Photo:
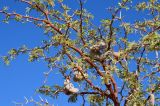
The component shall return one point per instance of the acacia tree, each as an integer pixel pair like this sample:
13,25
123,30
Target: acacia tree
100,59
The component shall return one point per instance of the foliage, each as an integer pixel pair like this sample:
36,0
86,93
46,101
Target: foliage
100,59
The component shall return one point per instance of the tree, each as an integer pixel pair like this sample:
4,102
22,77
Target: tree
101,59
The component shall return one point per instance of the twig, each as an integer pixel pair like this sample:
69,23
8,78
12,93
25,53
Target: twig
81,22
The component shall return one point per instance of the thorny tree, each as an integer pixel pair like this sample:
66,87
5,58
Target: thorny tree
101,59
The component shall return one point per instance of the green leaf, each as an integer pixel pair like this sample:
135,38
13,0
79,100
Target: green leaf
18,17
6,60
5,8
73,98
51,3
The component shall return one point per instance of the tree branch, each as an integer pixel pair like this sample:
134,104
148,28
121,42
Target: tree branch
81,22
33,18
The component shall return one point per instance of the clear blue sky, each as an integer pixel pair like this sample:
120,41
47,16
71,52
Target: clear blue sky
21,78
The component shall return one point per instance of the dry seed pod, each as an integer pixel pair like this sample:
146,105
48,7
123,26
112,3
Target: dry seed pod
97,51
79,77
151,99
98,46
69,88
116,55
102,44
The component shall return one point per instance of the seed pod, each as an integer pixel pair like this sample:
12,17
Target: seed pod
79,77
116,55
151,99
66,82
98,46
69,88
102,44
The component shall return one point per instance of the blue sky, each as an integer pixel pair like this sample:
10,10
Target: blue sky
21,78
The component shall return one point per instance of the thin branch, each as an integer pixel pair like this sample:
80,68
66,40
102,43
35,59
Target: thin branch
111,24
84,101
38,7
83,93
138,63
121,91
81,22
148,75
156,29
33,18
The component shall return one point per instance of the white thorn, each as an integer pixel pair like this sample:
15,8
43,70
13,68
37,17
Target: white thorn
41,98
120,15
156,54
46,101
26,100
